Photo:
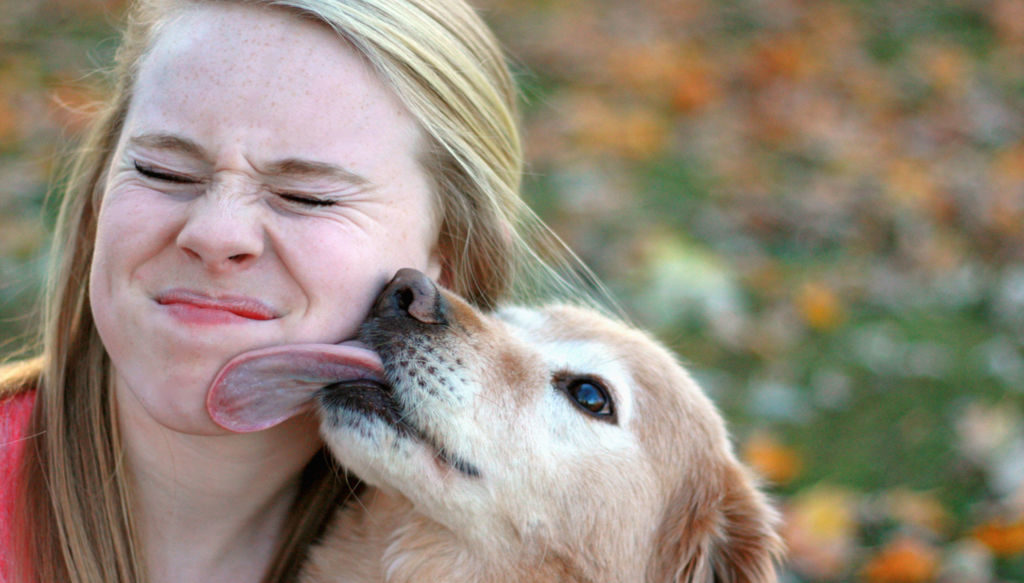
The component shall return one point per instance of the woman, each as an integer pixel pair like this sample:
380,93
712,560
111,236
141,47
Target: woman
260,171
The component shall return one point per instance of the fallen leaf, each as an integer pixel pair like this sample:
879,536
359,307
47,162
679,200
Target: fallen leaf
904,560
1004,538
771,459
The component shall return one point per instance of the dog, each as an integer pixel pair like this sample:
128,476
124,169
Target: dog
538,445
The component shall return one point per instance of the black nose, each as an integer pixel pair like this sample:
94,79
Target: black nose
412,294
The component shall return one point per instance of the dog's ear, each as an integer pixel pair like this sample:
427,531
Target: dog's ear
722,531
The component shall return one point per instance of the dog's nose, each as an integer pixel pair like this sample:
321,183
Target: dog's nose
412,294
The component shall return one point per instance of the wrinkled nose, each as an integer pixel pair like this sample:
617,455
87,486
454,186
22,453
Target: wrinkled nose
411,294
222,235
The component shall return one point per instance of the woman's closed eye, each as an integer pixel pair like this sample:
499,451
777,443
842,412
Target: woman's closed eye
306,200
162,175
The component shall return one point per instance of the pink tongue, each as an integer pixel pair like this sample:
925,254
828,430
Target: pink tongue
259,389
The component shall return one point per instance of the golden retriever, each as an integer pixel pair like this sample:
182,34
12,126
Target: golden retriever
527,445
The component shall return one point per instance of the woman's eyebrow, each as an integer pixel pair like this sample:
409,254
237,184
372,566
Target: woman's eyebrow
162,141
300,168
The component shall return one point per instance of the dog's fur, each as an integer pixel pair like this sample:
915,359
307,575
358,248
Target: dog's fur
484,469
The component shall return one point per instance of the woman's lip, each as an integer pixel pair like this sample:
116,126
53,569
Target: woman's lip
242,306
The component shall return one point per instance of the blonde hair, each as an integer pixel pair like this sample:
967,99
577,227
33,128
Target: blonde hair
443,62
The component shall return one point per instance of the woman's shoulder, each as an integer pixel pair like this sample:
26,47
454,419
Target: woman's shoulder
18,383
14,413
17,396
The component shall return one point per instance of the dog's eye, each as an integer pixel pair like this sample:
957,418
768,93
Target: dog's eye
588,394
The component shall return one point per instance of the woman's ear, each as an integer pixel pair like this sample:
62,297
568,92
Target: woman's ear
724,532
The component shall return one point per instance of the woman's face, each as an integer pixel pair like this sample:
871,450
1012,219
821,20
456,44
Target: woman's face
265,186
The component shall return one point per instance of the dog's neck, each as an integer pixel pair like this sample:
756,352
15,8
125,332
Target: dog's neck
382,538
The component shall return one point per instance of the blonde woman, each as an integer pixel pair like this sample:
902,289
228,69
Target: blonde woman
260,170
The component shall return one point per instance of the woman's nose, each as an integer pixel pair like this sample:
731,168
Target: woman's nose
224,233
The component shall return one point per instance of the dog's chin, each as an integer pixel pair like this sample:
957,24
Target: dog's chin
366,406
365,427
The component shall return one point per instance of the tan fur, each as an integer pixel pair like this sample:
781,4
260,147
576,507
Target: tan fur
656,497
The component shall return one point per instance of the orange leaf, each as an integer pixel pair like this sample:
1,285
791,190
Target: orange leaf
694,88
786,56
904,560
1002,537
820,307
772,460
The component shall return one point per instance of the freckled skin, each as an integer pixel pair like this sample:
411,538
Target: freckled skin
249,89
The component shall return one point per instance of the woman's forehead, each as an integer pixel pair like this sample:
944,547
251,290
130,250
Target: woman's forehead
279,85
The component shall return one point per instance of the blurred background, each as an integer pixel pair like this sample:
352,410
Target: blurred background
818,204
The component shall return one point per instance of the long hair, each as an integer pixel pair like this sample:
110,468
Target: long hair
74,519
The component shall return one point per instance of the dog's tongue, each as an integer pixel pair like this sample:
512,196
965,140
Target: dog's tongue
259,389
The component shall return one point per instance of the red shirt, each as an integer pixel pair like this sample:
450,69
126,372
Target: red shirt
14,415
